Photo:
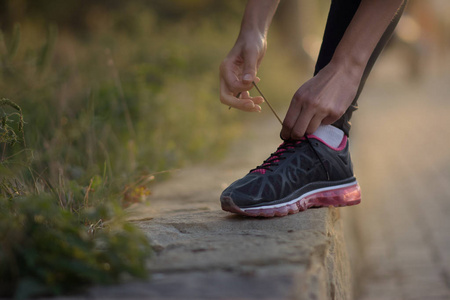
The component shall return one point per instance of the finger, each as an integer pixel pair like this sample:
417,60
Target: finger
237,96
232,76
245,95
250,66
314,124
242,104
302,123
290,119
256,99
229,99
330,119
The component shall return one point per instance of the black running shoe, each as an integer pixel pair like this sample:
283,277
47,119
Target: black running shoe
299,175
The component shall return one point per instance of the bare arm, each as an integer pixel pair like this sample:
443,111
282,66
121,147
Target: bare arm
325,97
239,68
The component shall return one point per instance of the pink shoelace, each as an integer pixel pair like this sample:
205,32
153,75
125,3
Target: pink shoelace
274,158
285,147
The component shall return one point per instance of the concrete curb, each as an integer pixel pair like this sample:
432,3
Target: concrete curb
208,254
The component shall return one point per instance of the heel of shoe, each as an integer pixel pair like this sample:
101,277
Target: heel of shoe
344,196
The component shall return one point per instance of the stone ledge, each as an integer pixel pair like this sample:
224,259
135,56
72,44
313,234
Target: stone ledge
208,254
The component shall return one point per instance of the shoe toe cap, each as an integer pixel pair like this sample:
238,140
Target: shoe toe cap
240,199
243,193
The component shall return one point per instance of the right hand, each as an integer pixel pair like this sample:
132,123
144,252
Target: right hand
238,71
322,100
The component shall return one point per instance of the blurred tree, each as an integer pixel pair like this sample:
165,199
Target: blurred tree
301,24
290,24
73,14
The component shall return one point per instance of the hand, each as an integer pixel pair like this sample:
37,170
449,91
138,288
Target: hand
238,71
321,100
326,97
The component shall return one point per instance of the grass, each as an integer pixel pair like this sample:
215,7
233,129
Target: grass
96,116
47,250
116,106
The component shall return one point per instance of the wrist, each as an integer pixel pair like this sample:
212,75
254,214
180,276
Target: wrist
352,65
252,37
258,16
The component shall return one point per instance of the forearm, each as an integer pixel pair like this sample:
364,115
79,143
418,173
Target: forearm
238,70
363,33
258,16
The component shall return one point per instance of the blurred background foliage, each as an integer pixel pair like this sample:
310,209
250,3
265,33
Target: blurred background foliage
117,93
115,89
113,92
113,95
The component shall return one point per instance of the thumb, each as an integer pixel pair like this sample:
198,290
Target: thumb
250,64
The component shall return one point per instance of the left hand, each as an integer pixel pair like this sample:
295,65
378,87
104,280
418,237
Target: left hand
238,71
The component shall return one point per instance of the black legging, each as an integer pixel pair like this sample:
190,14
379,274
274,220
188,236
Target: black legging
339,17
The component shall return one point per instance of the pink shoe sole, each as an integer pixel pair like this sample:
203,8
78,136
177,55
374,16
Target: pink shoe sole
337,196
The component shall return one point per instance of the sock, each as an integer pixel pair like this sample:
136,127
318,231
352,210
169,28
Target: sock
329,134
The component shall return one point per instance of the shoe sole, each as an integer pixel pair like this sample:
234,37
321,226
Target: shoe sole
341,195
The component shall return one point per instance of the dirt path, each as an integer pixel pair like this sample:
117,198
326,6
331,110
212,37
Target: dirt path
401,231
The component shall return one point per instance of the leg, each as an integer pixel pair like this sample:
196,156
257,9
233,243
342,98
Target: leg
339,17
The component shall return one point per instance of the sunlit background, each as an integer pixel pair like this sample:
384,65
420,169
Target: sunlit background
116,94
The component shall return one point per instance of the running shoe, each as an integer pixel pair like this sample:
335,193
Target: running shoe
299,175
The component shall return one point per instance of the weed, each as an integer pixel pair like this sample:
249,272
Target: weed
46,250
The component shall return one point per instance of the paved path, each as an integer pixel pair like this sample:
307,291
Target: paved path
402,159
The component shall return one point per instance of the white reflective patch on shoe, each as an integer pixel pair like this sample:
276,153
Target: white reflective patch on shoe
329,134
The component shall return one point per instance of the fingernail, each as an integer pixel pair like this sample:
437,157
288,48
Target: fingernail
247,77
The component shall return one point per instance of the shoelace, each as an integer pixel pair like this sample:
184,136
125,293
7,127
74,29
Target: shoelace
274,158
286,147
